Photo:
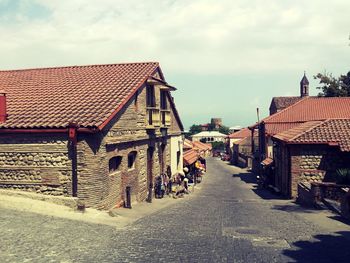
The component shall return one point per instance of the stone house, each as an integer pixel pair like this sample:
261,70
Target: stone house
209,136
307,109
88,131
310,152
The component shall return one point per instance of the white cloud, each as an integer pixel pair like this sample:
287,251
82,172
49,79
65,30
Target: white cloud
198,36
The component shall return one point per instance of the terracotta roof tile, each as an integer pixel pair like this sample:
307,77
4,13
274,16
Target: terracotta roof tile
313,108
332,132
54,97
268,161
307,109
187,144
201,146
190,157
245,132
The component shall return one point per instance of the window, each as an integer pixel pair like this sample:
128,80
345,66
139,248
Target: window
151,100
114,164
163,100
136,101
178,154
131,159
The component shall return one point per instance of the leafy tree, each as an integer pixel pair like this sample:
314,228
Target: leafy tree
211,127
333,87
225,130
195,129
218,146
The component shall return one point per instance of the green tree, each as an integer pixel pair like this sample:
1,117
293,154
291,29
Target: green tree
218,146
195,129
225,130
211,127
333,87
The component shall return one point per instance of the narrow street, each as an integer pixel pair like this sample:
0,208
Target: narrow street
226,220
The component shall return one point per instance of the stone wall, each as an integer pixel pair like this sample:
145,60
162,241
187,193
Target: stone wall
126,132
296,164
35,162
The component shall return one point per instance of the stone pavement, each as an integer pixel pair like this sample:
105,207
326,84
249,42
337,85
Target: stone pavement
227,220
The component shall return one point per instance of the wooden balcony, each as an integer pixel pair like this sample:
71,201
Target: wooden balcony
165,118
152,118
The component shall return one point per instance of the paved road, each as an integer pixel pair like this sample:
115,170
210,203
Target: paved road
225,221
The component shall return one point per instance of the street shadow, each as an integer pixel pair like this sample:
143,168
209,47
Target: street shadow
267,194
340,219
321,249
249,178
294,207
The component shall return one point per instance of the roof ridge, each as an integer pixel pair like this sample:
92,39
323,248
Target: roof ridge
80,66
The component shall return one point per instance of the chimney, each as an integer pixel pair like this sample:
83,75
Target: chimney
3,113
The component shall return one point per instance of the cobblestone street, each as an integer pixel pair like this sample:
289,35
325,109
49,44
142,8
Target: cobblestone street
226,220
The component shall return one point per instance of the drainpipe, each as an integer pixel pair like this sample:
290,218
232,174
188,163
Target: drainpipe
72,131
3,110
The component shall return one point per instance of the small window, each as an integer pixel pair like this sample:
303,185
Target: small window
151,100
114,164
131,159
163,100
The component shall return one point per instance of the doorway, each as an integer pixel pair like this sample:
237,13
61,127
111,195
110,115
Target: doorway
150,153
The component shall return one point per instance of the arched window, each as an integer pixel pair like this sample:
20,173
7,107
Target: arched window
114,164
131,159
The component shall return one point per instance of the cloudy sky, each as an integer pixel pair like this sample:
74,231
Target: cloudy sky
226,57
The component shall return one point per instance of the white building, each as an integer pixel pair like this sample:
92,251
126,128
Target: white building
209,136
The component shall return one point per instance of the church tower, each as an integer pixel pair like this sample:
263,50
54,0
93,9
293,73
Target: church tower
304,86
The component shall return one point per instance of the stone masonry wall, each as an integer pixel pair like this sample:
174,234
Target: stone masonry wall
314,163
37,163
125,133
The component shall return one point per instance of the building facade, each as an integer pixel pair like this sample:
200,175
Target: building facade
96,131
209,136
311,152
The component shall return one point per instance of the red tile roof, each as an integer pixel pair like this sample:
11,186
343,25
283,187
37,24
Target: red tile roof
267,161
190,157
313,108
87,95
201,146
331,132
307,109
274,128
243,133
210,147
187,144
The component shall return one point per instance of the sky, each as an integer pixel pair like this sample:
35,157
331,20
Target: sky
225,57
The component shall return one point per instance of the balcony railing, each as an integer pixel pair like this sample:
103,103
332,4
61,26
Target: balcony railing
152,118
165,118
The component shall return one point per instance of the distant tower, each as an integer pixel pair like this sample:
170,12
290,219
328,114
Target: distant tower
217,122
304,86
